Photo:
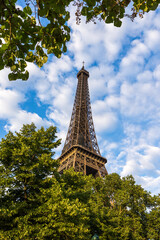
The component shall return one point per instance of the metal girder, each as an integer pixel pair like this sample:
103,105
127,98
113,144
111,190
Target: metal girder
81,133
83,160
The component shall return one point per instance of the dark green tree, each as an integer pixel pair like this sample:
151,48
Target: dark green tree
35,201
132,202
40,27
66,208
124,209
26,166
154,219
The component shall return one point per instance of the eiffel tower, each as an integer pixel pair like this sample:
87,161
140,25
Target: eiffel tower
81,149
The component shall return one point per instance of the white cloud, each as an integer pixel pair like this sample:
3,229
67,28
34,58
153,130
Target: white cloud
152,39
105,122
9,100
150,135
114,40
112,102
60,118
156,75
58,66
135,57
139,100
22,117
141,158
143,164
145,76
13,94
150,183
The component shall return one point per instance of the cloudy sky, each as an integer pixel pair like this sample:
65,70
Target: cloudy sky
124,83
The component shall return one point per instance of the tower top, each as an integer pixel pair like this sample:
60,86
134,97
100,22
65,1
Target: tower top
83,71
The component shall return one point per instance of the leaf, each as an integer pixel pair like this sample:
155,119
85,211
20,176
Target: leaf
1,63
12,76
25,76
146,9
154,6
4,47
27,10
50,50
64,48
84,11
109,19
117,22
14,68
45,58
29,57
42,12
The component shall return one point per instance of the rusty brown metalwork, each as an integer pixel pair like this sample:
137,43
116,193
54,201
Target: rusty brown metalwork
81,149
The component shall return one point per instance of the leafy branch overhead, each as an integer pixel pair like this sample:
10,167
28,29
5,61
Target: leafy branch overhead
31,33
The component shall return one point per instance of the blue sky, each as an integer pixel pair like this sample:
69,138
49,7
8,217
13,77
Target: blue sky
124,83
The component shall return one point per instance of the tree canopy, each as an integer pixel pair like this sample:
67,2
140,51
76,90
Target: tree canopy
36,202
26,162
39,28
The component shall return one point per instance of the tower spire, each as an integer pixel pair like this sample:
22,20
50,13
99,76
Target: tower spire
81,129
81,138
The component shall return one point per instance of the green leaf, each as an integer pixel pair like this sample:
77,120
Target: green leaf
117,22
45,58
22,64
109,19
30,57
154,6
42,12
84,11
4,47
25,76
27,10
1,63
12,76
64,48
50,50
14,68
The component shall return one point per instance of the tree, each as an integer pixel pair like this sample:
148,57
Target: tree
40,28
154,220
36,202
66,208
123,214
26,164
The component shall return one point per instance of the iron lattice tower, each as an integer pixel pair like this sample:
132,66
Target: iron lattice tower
81,149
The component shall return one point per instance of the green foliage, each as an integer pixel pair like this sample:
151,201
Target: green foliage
39,203
30,36
25,39
25,166
154,219
65,208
